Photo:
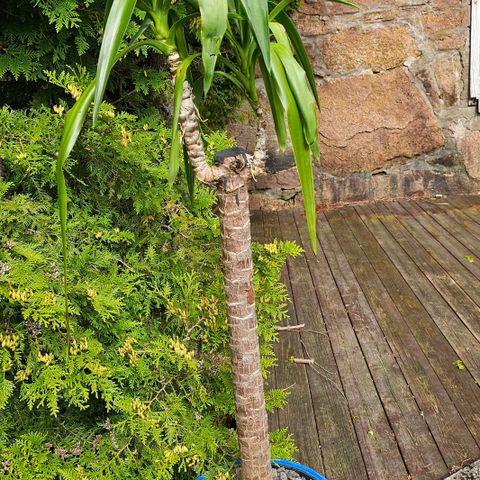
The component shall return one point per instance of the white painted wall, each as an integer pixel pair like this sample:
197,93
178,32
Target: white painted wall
475,53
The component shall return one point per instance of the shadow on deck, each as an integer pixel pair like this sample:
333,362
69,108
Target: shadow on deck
391,307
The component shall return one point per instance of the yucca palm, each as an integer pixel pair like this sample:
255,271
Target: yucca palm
249,33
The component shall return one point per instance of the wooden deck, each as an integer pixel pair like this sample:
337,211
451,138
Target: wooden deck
391,304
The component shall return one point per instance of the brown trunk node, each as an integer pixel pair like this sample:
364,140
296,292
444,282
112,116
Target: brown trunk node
252,422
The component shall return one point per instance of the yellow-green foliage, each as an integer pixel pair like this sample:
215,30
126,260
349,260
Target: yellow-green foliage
145,392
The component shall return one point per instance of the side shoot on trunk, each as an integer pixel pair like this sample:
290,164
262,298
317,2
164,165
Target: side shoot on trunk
257,32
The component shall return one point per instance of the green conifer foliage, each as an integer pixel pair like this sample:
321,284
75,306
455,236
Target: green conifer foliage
146,390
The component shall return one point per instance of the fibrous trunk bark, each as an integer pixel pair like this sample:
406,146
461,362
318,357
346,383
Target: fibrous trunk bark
188,122
260,154
231,175
251,416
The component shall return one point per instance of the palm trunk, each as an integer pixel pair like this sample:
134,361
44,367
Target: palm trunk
252,422
231,175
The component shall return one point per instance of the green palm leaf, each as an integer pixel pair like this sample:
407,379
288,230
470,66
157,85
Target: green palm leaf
300,88
189,174
178,26
279,7
74,121
176,33
299,50
234,80
143,28
117,22
280,35
275,107
300,146
214,24
257,14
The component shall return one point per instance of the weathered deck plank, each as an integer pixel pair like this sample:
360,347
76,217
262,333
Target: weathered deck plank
390,303
468,204
416,346
294,378
452,264
258,233
453,227
458,214
373,431
341,454
465,308
461,388
386,386
446,313
449,241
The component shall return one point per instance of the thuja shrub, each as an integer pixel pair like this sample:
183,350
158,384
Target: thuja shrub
46,44
44,38
145,390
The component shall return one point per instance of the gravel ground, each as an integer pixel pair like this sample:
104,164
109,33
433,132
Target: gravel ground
282,473
472,472
285,474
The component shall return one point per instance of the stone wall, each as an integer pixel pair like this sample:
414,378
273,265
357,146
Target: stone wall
393,83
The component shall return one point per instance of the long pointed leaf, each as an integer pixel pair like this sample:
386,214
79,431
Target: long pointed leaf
108,6
117,22
75,118
158,45
179,24
143,28
176,34
197,89
257,14
279,7
214,24
234,80
280,35
189,174
300,146
300,88
174,164
236,71
234,16
275,107
74,121
300,51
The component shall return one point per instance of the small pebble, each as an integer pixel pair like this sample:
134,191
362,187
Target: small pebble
282,473
287,474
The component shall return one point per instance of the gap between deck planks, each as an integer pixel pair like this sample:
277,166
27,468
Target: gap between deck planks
390,304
